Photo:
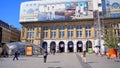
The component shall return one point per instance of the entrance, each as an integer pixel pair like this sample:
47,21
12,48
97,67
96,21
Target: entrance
79,46
44,45
61,46
88,45
52,47
70,46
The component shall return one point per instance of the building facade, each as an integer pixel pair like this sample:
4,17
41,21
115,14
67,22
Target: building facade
66,28
8,33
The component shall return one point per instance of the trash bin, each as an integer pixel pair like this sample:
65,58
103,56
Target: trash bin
90,50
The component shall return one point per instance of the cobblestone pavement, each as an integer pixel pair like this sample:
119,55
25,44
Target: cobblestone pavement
60,60
64,60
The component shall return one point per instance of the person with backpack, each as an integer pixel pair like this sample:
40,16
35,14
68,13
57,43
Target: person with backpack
45,56
16,54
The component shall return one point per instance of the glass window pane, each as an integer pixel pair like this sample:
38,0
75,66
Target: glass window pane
79,27
45,28
87,26
70,27
53,28
62,27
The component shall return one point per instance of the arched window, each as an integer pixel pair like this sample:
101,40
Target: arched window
70,27
88,26
61,27
79,27
53,28
45,28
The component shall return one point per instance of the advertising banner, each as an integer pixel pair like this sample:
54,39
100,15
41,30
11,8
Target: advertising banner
29,50
61,11
112,8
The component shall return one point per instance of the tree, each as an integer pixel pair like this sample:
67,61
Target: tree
111,39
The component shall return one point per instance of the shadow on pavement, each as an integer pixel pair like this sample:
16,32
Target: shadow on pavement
92,62
54,67
53,62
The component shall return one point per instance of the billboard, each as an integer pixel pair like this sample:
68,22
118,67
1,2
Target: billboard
56,11
29,50
112,8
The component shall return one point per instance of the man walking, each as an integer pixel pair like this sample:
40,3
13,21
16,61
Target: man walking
16,55
45,56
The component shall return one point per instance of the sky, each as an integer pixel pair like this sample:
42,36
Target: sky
10,11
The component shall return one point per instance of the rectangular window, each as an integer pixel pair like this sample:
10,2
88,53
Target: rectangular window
88,33
45,34
70,33
30,35
53,34
79,33
61,34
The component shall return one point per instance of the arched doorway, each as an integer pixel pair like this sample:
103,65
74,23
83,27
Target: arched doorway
79,46
53,47
70,46
44,45
88,44
61,46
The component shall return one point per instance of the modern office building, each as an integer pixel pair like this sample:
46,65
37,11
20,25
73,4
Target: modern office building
66,25
8,33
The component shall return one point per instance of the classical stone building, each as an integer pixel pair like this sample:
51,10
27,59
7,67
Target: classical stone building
64,28
8,33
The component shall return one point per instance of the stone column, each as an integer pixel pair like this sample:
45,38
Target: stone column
66,32
57,45
57,32
92,32
49,33
74,31
48,48
66,47
25,33
84,32
75,48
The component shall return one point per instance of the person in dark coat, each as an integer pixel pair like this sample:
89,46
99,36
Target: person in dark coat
45,56
16,55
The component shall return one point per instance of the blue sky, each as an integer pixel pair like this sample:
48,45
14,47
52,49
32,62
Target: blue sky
10,11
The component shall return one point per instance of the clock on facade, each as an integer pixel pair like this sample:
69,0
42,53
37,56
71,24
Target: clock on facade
115,5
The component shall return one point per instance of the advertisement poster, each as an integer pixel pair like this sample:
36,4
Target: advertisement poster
62,11
112,8
29,50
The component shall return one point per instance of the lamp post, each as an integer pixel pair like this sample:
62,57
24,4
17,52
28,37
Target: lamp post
99,29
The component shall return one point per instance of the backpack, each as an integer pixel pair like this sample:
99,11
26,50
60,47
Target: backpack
45,54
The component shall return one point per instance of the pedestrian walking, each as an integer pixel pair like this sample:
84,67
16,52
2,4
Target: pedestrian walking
84,54
45,56
16,54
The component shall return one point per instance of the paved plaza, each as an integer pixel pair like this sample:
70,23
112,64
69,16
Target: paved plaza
60,60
